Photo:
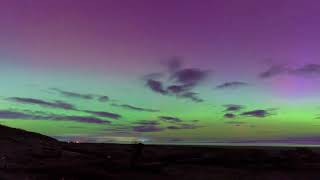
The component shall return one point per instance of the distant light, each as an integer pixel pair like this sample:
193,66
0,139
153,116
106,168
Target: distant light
143,140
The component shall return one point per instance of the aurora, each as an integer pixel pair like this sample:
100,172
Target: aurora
210,71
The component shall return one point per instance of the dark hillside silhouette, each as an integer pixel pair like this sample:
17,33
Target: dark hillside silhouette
27,155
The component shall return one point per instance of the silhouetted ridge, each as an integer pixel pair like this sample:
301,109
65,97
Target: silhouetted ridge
19,148
19,134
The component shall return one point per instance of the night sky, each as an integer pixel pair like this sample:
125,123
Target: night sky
162,71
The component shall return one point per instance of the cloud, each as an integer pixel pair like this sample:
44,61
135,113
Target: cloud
274,70
236,123
84,119
232,85
8,114
81,96
56,104
153,76
62,105
173,90
176,89
233,107
147,128
156,86
304,70
154,125
184,126
73,94
189,76
148,122
229,115
170,119
104,114
180,82
130,107
192,96
103,98
174,64
257,113
118,129
307,70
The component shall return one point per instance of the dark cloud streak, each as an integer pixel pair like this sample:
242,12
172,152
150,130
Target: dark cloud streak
257,113
233,107
307,70
62,105
304,70
147,128
190,76
170,119
130,107
274,70
56,104
229,115
156,86
81,96
232,85
184,126
73,94
104,114
8,114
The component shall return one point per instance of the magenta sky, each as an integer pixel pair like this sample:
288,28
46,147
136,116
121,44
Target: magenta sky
123,34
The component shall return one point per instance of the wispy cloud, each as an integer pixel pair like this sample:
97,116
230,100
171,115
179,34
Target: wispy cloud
62,105
73,94
148,122
70,94
229,115
9,114
232,85
257,113
156,86
174,64
103,98
84,119
307,70
180,82
235,123
189,77
161,124
233,107
192,96
33,101
155,76
170,119
184,126
104,114
156,128
272,71
130,107
147,128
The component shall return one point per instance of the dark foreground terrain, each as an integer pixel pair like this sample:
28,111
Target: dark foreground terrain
26,155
